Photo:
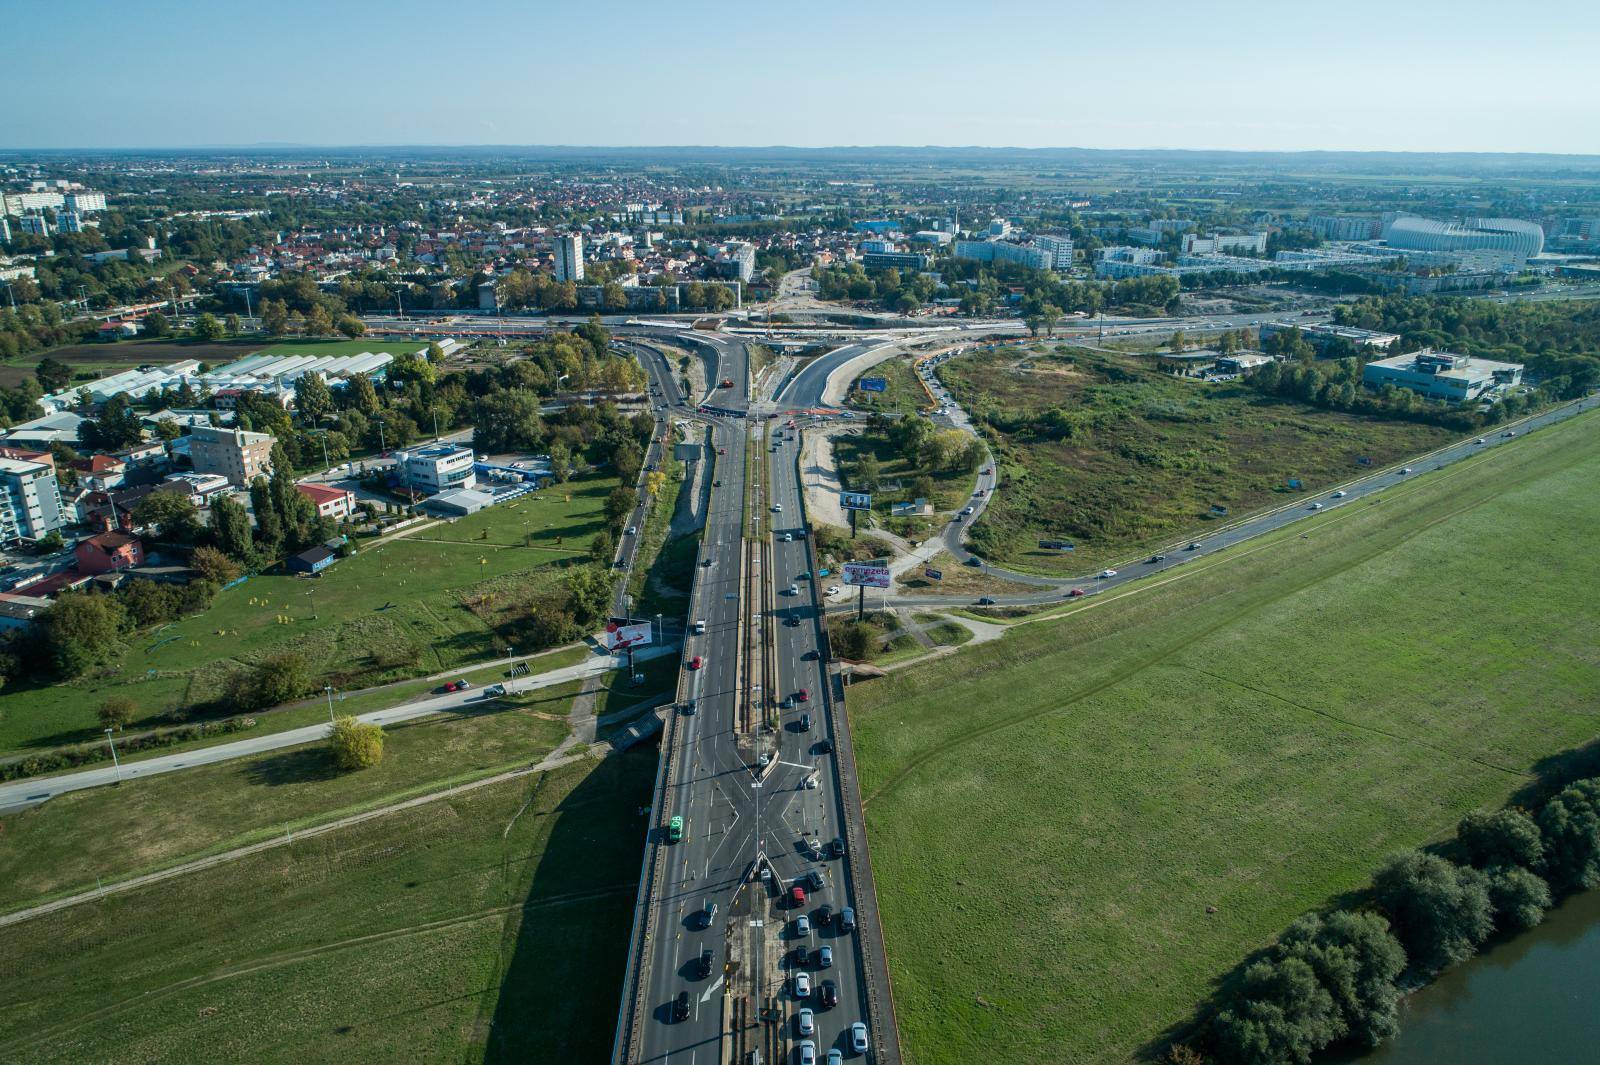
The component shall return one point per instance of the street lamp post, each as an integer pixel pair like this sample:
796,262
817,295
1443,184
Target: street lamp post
328,689
661,633
117,764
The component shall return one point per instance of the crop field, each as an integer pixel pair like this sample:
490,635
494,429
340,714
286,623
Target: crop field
411,606
491,925
1079,829
1105,452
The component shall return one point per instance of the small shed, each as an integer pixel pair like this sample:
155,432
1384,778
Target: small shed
314,560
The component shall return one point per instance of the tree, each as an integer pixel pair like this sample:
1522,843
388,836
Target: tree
213,565
230,527
118,427
117,711
318,324
620,503
603,547
156,325
851,639
232,325
355,744
207,327
53,374
1283,1014
507,421
1440,911
313,400
1520,897
275,317
281,678
174,513
358,394
1570,823
1357,960
351,326
1505,837
79,630
613,297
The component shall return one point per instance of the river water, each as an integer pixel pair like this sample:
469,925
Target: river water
1532,1000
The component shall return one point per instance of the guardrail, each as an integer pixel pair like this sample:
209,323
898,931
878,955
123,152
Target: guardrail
641,943
858,861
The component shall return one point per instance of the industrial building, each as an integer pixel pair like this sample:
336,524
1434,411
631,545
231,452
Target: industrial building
435,468
1442,375
1324,334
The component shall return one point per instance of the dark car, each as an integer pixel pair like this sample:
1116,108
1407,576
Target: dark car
828,995
805,722
836,848
824,915
823,746
847,920
798,956
811,655
986,601
680,1006
704,966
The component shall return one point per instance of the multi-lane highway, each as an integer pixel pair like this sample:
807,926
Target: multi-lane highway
750,800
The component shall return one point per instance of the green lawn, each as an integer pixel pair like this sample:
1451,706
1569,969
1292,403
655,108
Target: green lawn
1136,459
112,833
490,926
903,393
1052,814
412,606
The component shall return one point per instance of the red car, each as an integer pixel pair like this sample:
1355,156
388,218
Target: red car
696,662
803,695
1074,593
797,896
722,451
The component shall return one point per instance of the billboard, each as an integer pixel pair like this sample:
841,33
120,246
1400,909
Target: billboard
1057,545
855,500
622,633
874,384
866,574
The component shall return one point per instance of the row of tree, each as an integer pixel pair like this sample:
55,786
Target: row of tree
1335,978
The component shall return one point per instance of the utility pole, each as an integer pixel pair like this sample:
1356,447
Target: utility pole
328,689
114,761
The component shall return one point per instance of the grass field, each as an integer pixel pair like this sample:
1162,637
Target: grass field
1052,814
1136,458
902,393
489,926
412,606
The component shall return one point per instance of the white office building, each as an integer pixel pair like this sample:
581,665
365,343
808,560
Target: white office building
435,468
1442,375
569,257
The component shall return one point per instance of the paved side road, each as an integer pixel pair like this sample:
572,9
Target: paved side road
24,793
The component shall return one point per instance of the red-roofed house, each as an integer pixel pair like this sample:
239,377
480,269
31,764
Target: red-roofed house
109,551
335,503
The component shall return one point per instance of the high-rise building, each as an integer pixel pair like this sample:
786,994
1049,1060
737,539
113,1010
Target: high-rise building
37,224
30,502
569,257
5,228
737,260
85,202
1059,245
69,222
238,455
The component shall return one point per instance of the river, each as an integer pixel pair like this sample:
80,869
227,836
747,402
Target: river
1533,999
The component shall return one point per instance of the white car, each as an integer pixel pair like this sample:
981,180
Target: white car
858,1037
808,1052
834,589
788,538
802,925
1314,506
1338,495
1107,573
802,985
631,530
1406,469
777,508
808,1021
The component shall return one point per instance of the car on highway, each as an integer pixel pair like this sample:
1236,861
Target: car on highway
823,746
808,1052
1339,494
708,915
788,538
777,508
1075,593
699,627
824,917
858,1037
1479,440
807,1021
1156,558
797,896
1193,547
803,695
704,965
847,919
1405,469
794,589
680,1007
494,690
1509,433
802,985
824,957
675,829
632,530
835,1056
722,451
812,655
1106,574
985,601
1313,506
802,925
811,783
696,662
836,848
828,994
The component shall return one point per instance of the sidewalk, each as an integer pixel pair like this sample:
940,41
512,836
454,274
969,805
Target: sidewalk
24,793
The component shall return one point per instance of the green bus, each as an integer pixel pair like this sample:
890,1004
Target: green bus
675,830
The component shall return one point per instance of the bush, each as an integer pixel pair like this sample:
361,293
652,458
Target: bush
1503,838
117,711
1571,826
281,678
1283,1013
1358,960
355,744
1440,911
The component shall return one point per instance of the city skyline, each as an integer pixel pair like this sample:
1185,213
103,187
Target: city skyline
1245,77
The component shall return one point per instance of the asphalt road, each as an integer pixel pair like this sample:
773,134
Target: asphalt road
35,790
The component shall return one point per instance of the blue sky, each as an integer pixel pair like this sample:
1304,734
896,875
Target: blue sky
1359,75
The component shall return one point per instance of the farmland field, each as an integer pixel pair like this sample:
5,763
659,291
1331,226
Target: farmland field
1101,450
1052,814
488,926
412,606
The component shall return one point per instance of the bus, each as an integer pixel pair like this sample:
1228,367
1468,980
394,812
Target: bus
675,829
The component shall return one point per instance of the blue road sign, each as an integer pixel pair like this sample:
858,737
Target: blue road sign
874,384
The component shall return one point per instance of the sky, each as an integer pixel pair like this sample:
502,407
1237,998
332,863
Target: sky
1402,75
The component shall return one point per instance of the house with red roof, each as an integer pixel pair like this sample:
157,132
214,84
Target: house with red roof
108,551
335,503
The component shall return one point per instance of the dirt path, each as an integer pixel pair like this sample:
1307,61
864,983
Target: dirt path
821,480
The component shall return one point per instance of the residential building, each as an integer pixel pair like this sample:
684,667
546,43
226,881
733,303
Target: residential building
30,501
1003,251
1342,227
877,246
435,468
199,487
336,504
5,229
1224,243
37,224
69,222
1442,375
1059,246
85,202
19,203
737,259
569,257
238,455
108,552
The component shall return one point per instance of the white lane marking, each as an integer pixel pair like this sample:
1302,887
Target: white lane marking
706,997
